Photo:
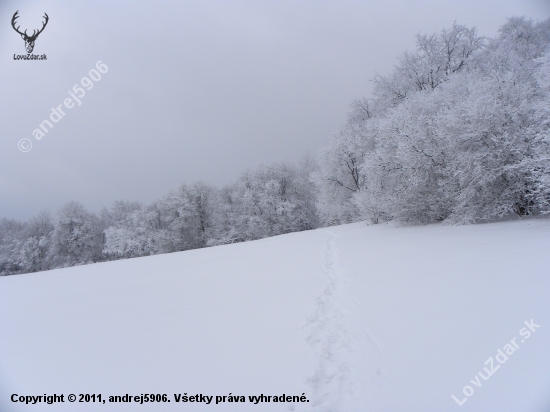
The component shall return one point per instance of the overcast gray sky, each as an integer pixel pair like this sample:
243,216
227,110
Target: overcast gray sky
195,89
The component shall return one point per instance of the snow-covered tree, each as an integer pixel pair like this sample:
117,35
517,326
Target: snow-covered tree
341,175
188,214
266,200
12,237
135,231
437,56
77,236
34,254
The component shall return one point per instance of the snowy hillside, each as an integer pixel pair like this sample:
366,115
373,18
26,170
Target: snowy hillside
357,318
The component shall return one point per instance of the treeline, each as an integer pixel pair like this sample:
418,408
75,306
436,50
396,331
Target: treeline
458,133
265,201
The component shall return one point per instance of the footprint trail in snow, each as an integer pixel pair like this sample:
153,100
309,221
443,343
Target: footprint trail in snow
344,350
329,338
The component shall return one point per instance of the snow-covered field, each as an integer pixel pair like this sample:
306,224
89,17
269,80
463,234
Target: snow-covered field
358,318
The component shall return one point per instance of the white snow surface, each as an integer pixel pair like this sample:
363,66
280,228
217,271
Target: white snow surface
356,317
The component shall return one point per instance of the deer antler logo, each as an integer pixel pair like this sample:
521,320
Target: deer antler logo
29,40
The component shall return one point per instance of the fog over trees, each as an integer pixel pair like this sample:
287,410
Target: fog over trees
458,132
